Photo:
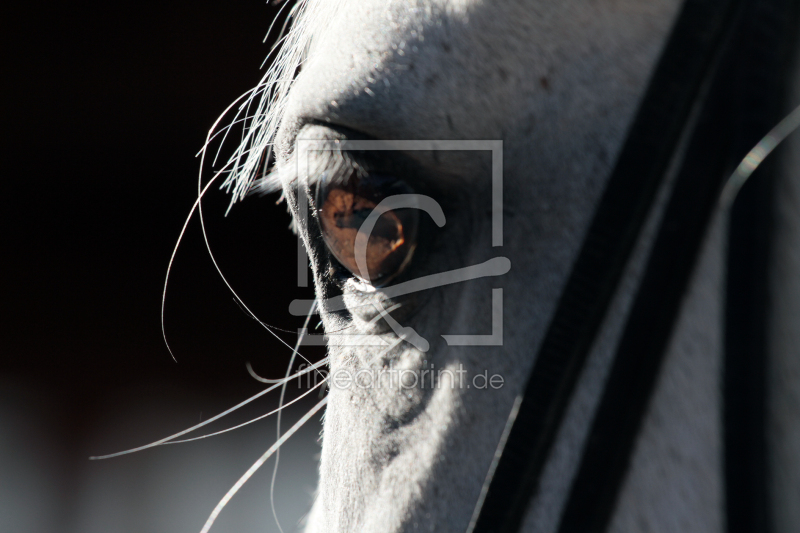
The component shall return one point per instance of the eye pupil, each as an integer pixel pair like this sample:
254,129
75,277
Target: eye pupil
387,249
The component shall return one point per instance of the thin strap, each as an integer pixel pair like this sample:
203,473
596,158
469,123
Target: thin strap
694,45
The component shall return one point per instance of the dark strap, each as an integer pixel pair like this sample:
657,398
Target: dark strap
609,445
694,46
770,38
742,105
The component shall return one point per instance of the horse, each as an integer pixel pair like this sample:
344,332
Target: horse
452,289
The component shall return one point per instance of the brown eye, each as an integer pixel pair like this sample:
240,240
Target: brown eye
368,225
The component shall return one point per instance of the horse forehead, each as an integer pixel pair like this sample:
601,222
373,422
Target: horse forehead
461,69
390,68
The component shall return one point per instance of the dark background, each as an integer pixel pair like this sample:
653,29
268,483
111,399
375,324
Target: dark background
104,106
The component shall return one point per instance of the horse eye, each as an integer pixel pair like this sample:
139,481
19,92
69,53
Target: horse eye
379,250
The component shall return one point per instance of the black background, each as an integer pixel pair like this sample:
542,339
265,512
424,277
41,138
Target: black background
104,106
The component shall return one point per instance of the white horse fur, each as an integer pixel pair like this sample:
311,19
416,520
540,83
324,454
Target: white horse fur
558,83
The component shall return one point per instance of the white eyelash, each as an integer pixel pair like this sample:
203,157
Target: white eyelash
261,110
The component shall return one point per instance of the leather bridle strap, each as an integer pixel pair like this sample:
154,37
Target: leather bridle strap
742,105
685,67
770,41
